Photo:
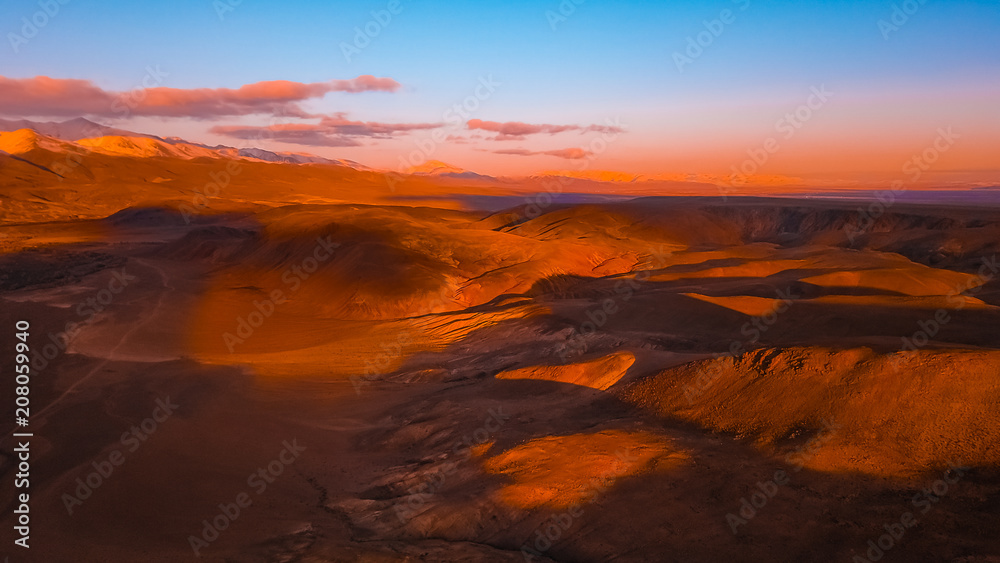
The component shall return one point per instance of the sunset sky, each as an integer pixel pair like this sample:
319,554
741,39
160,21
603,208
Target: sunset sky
596,84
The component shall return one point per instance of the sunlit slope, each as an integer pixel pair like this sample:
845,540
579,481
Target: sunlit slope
145,147
891,414
46,179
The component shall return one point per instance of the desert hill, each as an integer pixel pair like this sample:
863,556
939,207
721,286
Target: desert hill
144,147
464,375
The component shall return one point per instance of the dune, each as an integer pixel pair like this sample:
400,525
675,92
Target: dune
751,269
560,471
599,373
922,281
748,305
292,340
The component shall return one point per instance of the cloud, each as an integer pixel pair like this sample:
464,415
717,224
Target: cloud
574,153
517,130
44,96
306,135
331,131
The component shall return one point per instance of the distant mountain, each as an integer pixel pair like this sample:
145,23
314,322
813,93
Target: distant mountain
23,141
467,175
435,168
445,170
82,134
71,130
144,147
271,156
674,179
294,158
593,175
26,140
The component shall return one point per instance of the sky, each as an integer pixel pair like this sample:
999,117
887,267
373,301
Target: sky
836,90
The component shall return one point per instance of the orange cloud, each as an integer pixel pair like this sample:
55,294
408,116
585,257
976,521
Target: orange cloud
516,130
44,96
574,153
332,131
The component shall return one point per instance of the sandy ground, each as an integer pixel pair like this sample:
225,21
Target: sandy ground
432,390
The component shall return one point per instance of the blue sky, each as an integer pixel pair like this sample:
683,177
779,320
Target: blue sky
605,59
